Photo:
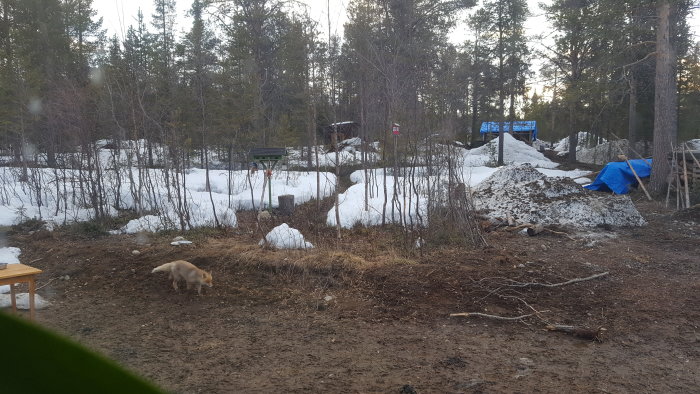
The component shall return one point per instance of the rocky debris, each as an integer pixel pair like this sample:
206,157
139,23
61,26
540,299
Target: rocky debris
523,193
691,214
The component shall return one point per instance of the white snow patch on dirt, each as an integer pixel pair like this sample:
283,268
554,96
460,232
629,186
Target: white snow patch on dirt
22,300
285,237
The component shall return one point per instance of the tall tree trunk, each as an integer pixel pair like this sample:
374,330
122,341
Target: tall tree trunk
665,100
573,134
632,123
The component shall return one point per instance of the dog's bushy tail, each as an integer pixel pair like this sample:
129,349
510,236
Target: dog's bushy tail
163,268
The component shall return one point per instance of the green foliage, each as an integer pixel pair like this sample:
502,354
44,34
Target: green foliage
39,361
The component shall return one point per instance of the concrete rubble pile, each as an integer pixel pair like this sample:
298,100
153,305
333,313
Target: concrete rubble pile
528,196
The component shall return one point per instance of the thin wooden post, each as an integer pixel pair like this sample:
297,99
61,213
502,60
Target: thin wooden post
685,175
639,180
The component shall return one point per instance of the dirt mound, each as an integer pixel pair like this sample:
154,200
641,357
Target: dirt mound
531,197
691,214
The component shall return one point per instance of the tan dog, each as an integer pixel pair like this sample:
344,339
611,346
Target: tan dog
181,269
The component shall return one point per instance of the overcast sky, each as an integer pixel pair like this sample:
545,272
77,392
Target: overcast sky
120,14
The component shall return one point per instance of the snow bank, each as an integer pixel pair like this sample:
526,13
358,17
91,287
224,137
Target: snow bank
694,144
531,197
409,209
514,151
603,153
147,191
588,152
285,237
585,140
349,153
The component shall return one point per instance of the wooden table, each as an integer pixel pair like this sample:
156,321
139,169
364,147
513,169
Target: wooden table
20,273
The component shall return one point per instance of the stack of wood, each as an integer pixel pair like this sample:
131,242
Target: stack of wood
685,175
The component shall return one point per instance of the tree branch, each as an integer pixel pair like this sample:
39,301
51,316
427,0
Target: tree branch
468,314
568,282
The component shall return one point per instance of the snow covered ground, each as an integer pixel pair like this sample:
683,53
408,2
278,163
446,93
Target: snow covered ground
349,154
409,207
57,200
54,195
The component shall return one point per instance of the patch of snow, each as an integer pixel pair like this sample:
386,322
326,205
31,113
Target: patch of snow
694,144
22,301
285,237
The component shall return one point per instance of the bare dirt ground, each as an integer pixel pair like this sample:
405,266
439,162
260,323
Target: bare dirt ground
266,327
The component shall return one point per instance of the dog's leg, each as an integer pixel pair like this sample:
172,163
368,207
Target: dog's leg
175,285
199,288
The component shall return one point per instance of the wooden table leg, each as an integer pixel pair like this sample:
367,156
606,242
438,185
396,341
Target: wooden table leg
12,298
32,288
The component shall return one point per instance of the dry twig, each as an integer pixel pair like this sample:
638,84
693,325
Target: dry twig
568,282
468,314
579,332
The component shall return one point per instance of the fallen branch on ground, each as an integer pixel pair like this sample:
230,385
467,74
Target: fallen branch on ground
568,282
579,332
468,314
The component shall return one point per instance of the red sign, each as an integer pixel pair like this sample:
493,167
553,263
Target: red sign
395,129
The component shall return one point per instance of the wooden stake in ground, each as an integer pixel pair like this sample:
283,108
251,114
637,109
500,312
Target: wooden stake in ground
685,176
639,180
690,152
670,176
634,151
679,197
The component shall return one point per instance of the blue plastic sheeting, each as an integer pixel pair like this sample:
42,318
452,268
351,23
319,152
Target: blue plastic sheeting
618,177
518,126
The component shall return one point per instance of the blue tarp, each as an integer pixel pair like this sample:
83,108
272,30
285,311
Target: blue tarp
518,126
618,177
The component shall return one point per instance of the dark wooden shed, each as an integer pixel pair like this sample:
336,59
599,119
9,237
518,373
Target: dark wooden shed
347,129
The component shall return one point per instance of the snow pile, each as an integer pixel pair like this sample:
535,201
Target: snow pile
514,151
404,209
146,191
409,209
585,139
531,197
588,152
694,144
10,256
603,153
200,214
285,237
349,153
541,144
